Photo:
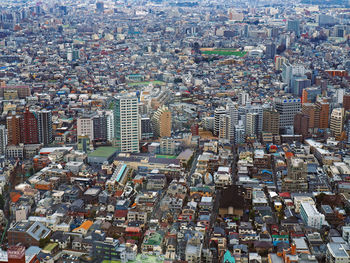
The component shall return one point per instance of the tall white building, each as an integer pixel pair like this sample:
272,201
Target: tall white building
232,111
243,98
126,124
311,216
239,133
110,125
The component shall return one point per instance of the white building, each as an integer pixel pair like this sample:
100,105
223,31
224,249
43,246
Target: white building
337,253
126,124
311,216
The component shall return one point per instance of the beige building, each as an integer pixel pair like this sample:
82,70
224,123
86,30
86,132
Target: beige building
296,179
85,127
162,122
337,121
271,119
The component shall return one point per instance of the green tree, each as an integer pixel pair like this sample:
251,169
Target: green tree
43,242
2,202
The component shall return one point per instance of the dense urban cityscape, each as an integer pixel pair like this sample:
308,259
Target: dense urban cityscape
174,131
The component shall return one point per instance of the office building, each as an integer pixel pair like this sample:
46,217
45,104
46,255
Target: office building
45,126
30,128
298,84
100,7
311,216
337,122
126,124
325,20
85,127
14,135
109,249
294,26
287,108
271,119
310,94
161,121
270,51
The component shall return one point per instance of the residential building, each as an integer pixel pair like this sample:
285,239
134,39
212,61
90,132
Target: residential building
161,120
126,124
337,122
45,126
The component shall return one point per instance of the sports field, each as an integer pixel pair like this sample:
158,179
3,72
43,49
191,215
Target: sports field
224,52
145,83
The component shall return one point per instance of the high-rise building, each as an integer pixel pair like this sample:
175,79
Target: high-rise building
294,26
339,95
337,122
232,111
3,139
110,125
45,126
309,109
243,98
225,127
271,119
298,84
287,108
301,124
346,102
270,51
252,123
310,94
219,111
279,61
30,128
126,124
100,127
243,111
322,114
146,128
14,135
100,7
239,133
85,127
161,121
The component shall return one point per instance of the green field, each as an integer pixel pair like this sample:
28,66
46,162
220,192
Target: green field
166,156
145,83
225,52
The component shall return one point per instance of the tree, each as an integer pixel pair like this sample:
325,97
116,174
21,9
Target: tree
43,242
2,202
